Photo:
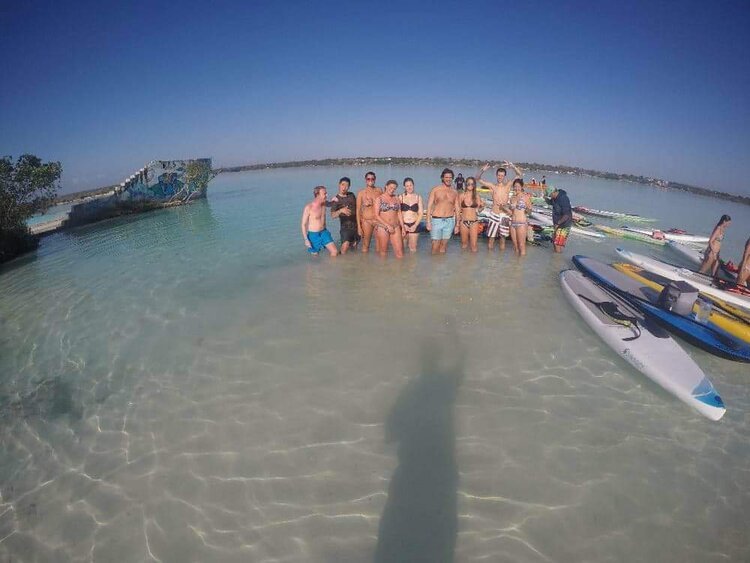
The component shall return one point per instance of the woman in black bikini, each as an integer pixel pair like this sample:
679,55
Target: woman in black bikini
471,204
389,221
412,210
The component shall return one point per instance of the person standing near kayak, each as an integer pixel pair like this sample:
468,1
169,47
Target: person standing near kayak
743,273
711,254
562,217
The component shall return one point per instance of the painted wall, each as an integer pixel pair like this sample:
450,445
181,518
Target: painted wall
160,183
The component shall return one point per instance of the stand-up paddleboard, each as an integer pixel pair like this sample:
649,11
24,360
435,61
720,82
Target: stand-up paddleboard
614,232
644,345
724,316
611,214
678,237
701,282
547,220
705,336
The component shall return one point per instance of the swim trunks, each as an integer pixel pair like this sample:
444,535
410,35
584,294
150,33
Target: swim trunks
318,240
442,228
349,234
560,236
498,224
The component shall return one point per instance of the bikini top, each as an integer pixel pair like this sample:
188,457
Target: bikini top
519,205
384,206
473,205
414,207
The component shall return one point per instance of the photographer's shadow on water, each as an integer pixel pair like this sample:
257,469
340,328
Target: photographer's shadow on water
420,519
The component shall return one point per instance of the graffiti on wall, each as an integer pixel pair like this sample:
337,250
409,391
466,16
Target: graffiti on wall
169,181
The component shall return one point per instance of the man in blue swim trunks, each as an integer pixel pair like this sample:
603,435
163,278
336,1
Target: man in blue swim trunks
442,213
314,231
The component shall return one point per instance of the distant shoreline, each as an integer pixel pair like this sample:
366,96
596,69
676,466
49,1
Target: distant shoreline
476,163
446,161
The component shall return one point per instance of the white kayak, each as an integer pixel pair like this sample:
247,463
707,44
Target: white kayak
679,237
547,220
645,346
700,281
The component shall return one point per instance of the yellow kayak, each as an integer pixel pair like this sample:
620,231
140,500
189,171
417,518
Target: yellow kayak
735,323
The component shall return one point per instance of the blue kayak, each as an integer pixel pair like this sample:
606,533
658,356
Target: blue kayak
644,298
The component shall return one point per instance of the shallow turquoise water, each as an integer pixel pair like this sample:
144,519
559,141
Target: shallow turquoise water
189,385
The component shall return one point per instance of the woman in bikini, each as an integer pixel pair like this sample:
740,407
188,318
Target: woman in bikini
366,211
470,204
518,208
389,221
412,209
743,272
711,255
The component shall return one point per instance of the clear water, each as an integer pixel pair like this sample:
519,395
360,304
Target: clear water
190,385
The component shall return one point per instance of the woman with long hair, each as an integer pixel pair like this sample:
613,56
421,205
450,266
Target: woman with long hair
711,255
519,207
470,205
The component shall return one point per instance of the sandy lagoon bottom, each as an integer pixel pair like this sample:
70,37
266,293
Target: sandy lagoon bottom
189,401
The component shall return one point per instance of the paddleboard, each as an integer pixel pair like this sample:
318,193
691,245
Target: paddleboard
547,220
612,231
669,236
705,336
701,282
645,346
723,315
610,214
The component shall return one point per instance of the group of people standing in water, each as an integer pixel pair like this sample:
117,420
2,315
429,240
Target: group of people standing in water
395,220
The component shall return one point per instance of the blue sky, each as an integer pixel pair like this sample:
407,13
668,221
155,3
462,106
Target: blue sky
652,88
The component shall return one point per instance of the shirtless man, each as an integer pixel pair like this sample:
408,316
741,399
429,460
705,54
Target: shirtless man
344,206
499,222
442,212
365,212
313,224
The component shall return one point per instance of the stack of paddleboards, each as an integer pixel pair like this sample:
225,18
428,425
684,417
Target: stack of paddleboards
679,314
725,290
546,220
722,315
642,342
